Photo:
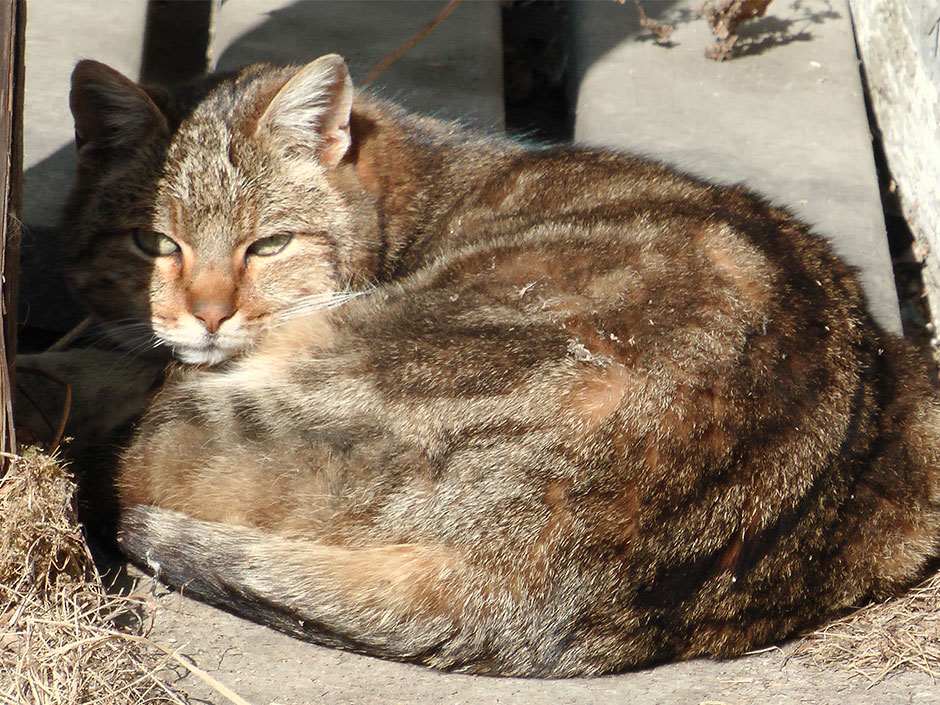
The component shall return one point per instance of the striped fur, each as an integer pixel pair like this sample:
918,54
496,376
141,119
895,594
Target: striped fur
504,410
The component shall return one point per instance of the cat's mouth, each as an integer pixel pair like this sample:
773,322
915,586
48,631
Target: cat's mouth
194,345
202,349
205,348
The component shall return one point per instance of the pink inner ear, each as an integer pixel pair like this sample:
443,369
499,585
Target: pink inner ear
335,146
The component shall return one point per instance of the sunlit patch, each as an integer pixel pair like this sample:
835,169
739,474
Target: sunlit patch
738,264
600,392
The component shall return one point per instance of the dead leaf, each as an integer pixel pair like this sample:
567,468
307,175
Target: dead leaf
724,16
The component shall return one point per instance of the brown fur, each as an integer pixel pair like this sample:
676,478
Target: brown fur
583,414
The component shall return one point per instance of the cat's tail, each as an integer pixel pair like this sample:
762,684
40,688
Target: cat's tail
404,602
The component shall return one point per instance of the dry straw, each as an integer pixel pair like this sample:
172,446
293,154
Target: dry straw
883,639
63,639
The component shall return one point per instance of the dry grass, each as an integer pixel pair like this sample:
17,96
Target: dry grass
63,639
883,639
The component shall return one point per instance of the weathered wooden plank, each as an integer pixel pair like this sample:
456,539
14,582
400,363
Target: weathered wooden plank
12,42
899,41
176,40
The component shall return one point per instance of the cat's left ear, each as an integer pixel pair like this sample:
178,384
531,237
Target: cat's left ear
112,113
311,111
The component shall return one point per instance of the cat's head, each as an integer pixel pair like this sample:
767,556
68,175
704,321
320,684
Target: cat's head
201,219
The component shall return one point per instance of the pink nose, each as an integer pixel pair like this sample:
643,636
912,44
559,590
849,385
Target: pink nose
213,313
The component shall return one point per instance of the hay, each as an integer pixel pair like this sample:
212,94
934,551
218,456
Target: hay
63,639
883,639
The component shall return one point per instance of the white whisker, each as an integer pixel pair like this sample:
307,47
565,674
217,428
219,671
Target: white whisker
317,302
131,335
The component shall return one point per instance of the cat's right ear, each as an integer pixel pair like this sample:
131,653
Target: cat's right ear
311,111
111,112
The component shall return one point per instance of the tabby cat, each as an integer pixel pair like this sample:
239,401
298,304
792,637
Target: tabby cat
454,400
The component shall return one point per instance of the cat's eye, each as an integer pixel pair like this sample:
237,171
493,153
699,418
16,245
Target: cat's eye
267,246
155,244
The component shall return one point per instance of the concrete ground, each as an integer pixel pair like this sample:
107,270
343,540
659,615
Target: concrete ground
265,667
786,118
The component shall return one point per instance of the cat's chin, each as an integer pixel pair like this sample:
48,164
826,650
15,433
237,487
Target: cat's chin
208,356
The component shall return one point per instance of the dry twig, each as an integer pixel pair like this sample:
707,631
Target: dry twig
66,405
59,643
660,31
405,47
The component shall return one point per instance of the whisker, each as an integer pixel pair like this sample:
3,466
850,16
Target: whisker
131,335
316,302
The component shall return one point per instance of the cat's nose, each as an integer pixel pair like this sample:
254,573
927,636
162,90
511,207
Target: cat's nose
213,313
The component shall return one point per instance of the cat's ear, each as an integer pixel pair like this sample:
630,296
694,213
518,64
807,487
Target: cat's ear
311,111
111,112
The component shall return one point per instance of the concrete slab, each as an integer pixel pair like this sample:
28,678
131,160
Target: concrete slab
58,34
787,119
265,667
455,72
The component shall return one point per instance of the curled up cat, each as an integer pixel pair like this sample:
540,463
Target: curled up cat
450,399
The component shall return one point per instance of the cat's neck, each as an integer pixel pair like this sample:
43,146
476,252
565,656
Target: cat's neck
411,175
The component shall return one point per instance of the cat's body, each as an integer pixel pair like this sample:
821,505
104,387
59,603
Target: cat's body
570,413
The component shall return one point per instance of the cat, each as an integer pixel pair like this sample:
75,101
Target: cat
455,400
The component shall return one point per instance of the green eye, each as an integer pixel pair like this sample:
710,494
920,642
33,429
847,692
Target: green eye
155,244
267,246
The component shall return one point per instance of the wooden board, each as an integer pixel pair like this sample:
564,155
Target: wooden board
12,42
899,42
